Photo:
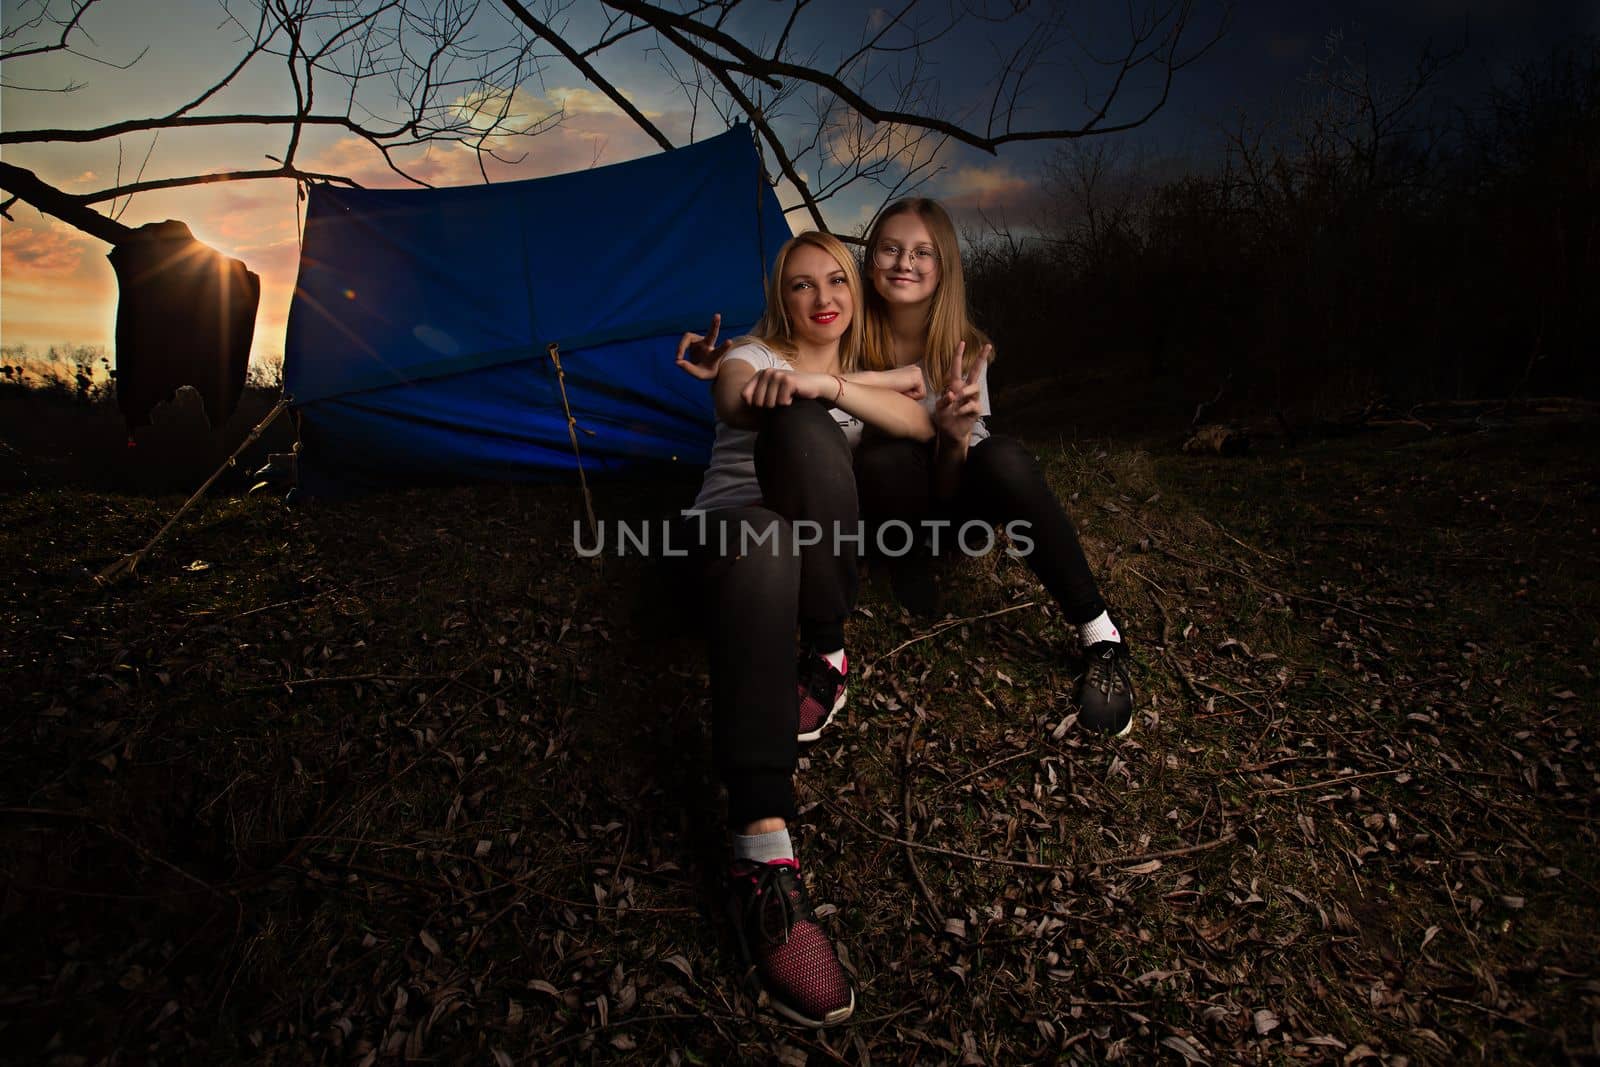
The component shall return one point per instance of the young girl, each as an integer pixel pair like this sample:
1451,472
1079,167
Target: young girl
917,316
766,547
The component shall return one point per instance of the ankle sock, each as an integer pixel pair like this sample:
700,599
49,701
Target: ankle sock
1099,628
763,848
835,659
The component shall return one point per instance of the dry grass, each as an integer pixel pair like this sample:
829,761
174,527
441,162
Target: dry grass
402,778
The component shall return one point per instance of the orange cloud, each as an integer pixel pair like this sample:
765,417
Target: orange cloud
41,249
994,191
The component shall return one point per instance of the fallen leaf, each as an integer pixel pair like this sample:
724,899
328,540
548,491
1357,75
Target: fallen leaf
1265,1021
1184,1049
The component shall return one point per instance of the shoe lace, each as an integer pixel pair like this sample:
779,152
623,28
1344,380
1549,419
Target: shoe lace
1106,672
778,902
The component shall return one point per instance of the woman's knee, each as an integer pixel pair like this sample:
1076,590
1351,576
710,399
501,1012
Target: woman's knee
1003,463
807,427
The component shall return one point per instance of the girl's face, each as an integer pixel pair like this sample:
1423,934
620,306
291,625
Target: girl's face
816,295
904,264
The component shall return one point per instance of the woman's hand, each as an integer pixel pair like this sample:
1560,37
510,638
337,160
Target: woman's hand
961,404
703,352
771,388
907,381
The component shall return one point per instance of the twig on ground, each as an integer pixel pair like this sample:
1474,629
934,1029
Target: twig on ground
1166,650
942,627
1231,695
450,680
1269,588
1112,861
336,679
1214,524
308,597
936,912
1001,762
1327,782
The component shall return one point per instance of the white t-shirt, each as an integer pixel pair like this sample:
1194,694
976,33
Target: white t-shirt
930,401
730,480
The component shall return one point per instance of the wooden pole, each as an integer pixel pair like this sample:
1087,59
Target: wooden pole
129,563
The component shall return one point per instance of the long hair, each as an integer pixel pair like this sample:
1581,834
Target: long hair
949,320
777,332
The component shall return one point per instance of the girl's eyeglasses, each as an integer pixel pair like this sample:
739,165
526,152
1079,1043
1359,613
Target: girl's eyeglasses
923,260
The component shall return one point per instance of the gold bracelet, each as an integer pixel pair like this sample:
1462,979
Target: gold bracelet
840,393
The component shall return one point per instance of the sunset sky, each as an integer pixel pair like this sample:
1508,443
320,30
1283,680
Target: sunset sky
56,285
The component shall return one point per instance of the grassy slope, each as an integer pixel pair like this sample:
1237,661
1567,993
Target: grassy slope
403,776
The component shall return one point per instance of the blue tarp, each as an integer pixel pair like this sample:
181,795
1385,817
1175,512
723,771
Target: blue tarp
418,333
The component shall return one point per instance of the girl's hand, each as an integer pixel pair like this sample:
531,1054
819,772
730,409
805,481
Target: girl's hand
771,388
961,404
703,352
907,381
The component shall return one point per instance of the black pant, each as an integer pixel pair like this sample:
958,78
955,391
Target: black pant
1000,483
759,579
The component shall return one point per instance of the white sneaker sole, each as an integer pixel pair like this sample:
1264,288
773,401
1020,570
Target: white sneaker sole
833,1018
838,706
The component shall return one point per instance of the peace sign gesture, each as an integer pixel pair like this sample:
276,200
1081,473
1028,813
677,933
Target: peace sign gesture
704,354
961,403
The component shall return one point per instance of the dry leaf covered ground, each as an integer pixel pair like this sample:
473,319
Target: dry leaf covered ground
403,779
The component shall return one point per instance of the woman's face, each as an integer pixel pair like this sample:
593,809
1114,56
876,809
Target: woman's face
816,295
904,264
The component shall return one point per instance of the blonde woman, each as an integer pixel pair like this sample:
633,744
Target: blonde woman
767,551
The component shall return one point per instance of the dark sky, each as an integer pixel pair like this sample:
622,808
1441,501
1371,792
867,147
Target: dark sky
1270,47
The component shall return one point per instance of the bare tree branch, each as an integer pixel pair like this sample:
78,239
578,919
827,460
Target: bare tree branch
415,73
24,185
577,59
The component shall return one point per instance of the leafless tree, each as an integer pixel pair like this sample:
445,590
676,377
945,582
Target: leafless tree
404,73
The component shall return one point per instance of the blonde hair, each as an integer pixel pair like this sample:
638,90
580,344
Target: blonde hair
949,320
777,332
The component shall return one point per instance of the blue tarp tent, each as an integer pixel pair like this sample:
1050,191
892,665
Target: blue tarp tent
418,333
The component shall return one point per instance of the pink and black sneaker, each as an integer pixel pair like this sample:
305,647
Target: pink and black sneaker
822,693
786,952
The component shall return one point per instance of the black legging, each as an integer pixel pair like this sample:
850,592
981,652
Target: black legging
755,591
1000,482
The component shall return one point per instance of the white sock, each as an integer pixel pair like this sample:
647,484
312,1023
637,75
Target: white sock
835,659
1099,628
763,848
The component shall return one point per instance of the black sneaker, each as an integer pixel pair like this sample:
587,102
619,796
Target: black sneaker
1105,698
786,952
822,693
